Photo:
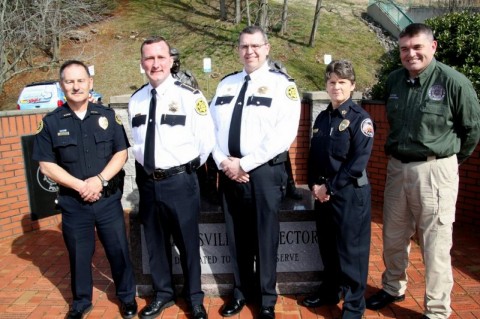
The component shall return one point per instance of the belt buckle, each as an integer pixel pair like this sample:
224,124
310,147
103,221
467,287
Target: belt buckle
159,175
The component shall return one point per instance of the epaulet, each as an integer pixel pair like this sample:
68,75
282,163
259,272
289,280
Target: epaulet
285,74
139,89
233,73
61,111
101,107
187,87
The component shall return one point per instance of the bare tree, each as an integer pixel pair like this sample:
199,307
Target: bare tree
316,19
31,31
284,17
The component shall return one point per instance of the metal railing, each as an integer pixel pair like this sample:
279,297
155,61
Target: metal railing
394,11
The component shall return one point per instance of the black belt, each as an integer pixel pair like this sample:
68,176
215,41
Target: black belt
406,160
189,167
280,158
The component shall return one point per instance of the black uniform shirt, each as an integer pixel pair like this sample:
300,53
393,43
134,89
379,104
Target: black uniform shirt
341,145
82,147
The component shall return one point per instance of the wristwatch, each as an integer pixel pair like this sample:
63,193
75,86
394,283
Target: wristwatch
103,180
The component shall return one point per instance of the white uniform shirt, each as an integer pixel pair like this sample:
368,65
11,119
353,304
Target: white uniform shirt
183,124
270,116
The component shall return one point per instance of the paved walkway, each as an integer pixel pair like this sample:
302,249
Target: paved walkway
34,282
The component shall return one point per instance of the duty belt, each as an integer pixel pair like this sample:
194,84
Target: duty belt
189,167
280,158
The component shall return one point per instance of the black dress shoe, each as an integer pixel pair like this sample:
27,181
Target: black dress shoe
153,309
199,312
316,300
128,310
233,307
381,299
77,314
266,313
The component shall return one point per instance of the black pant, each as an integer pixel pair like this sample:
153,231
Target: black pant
344,229
251,218
171,208
79,221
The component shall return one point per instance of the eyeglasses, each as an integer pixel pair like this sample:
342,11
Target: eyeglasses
255,47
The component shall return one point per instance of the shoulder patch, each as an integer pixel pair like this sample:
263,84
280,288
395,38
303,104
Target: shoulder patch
187,87
233,73
201,106
292,92
39,127
139,89
289,78
367,127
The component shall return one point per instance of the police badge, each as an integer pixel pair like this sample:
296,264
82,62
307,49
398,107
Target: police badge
173,107
343,125
103,122
262,90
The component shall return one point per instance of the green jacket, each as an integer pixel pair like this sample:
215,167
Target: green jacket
437,115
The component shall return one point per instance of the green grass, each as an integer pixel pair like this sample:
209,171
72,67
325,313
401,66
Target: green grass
193,27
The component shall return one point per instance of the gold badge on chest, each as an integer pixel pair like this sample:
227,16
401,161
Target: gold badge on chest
343,125
103,122
262,90
173,107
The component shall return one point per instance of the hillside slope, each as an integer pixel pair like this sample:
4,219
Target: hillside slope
193,27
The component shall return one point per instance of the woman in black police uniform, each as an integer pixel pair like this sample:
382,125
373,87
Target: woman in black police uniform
82,146
340,148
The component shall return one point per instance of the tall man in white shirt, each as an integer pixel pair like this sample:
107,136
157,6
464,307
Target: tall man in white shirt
256,114
173,135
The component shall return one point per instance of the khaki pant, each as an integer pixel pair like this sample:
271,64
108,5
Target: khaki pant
421,197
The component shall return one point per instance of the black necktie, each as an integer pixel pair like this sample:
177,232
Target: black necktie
235,124
149,156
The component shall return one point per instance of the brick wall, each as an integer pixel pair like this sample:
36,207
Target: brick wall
299,149
15,209
14,206
468,203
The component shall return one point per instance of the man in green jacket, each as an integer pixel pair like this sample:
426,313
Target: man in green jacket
434,117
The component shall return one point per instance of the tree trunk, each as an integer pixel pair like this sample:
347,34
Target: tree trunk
264,14
249,18
56,33
238,11
316,19
284,17
223,10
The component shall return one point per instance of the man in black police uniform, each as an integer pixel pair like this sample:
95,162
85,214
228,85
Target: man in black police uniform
82,146
341,145
173,135
256,113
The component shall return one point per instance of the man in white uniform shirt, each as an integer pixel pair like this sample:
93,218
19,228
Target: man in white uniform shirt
256,114
173,135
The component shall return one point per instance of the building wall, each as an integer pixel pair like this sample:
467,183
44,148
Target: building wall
14,202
